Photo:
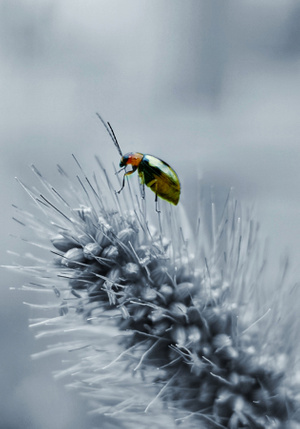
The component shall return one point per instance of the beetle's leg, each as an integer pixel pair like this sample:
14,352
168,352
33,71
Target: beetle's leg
142,184
126,174
156,197
119,171
153,186
123,184
143,190
156,203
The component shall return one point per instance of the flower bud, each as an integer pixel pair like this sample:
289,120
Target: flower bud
148,294
178,311
157,315
126,235
91,250
167,292
110,252
63,243
194,334
178,335
131,272
73,258
183,291
223,347
220,341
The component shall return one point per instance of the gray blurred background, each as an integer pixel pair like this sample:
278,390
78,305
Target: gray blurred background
212,87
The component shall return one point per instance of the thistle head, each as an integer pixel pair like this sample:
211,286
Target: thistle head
153,319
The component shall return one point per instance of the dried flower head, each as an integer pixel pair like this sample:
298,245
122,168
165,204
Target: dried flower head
163,329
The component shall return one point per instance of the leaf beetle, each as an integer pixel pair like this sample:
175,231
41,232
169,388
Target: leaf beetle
153,172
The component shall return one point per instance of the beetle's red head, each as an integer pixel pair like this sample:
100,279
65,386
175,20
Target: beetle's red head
133,158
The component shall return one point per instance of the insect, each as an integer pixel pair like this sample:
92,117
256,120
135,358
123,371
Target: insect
153,172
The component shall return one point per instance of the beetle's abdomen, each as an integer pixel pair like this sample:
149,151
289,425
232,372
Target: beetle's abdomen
160,178
170,193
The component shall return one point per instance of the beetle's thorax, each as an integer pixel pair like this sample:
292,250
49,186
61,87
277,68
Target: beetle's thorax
133,158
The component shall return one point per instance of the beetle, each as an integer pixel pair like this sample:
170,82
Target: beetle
153,172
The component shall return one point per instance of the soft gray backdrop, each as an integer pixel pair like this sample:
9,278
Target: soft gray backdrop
212,87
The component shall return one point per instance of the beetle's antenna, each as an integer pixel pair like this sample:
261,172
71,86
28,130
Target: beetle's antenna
111,133
115,139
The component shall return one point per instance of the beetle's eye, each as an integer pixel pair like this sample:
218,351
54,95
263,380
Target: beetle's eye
123,161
